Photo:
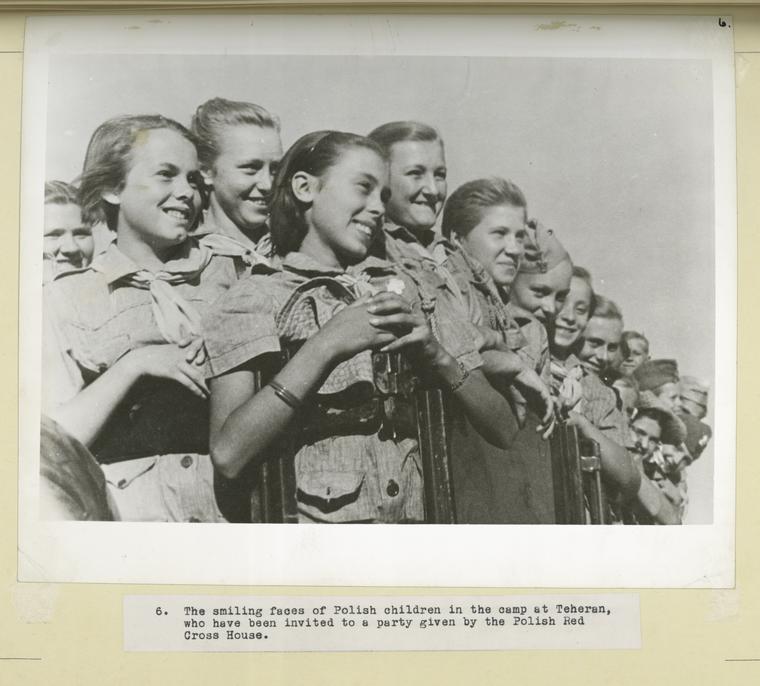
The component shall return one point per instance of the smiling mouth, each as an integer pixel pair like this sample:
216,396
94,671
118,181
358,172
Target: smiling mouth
179,213
366,228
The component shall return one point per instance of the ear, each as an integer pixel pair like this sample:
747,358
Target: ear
208,177
111,197
304,186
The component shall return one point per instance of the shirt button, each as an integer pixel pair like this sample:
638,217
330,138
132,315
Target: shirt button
186,461
392,488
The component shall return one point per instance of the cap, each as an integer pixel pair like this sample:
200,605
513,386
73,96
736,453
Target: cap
695,390
654,373
543,251
673,429
698,435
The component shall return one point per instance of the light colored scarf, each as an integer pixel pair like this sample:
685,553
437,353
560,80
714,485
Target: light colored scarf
177,319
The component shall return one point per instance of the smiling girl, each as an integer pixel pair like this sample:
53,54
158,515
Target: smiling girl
239,150
68,242
417,165
328,207
485,222
582,397
126,331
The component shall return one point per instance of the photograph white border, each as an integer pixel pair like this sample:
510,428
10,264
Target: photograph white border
415,555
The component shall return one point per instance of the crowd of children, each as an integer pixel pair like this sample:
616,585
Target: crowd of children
212,303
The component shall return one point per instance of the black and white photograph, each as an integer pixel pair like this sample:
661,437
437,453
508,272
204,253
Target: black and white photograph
475,275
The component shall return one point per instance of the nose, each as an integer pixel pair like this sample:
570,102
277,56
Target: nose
428,186
67,245
567,315
183,188
602,355
513,247
375,204
548,304
264,180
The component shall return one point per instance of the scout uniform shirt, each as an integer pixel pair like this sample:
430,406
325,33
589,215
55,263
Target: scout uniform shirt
348,476
495,486
250,253
95,316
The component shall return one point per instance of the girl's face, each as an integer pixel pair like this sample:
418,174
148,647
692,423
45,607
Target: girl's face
573,317
601,343
68,243
417,182
497,242
159,200
638,352
543,294
347,207
241,175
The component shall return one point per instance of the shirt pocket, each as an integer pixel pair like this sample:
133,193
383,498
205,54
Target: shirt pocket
333,496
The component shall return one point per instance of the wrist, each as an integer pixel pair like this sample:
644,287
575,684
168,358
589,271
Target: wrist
130,366
323,351
451,372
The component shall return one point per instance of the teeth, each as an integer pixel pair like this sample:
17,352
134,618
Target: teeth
178,214
363,228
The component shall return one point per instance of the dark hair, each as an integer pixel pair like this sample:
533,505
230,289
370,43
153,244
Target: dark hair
106,163
585,275
465,206
629,336
313,153
61,193
400,131
218,113
606,309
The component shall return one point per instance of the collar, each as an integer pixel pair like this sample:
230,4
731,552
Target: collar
520,315
115,265
302,263
402,233
207,226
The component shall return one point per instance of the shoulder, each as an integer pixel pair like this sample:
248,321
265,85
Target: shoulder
63,296
254,293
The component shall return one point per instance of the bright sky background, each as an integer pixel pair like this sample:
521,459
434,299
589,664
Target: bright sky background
615,154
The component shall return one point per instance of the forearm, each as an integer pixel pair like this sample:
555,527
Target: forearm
86,413
486,408
655,503
259,419
501,364
617,465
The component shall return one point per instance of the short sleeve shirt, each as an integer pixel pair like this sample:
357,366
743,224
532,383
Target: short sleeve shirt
93,318
339,478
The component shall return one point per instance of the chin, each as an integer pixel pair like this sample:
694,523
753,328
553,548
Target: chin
422,223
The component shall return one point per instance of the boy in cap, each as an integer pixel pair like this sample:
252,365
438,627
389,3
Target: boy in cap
694,395
657,434
661,377
543,279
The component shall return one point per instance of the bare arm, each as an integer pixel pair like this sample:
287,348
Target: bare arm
656,504
617,465
84,415
486,408
244,423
